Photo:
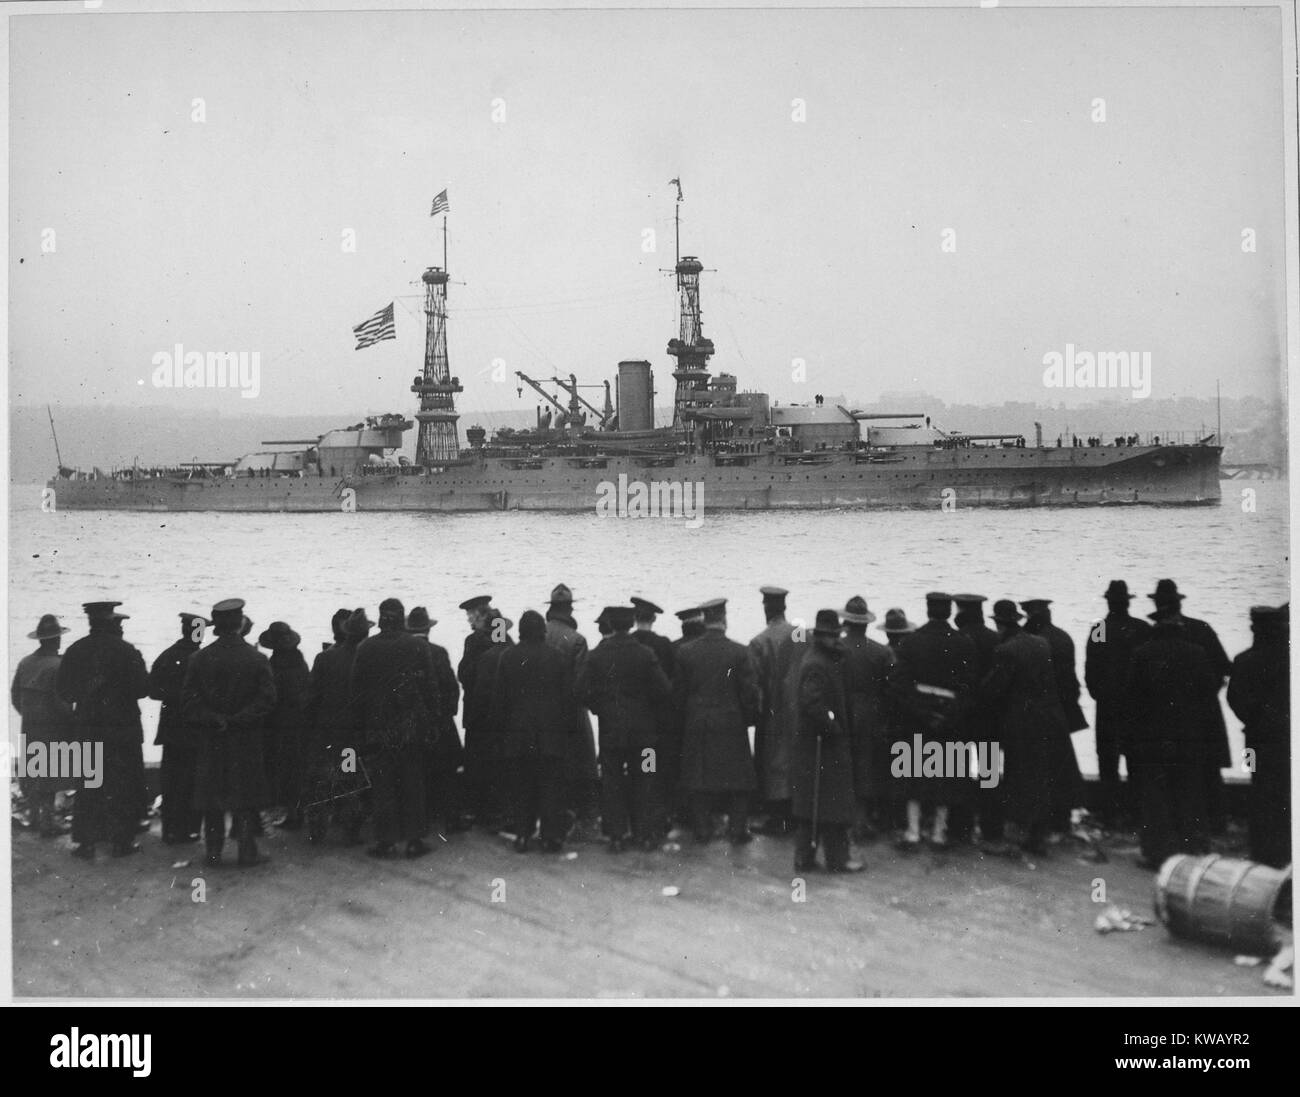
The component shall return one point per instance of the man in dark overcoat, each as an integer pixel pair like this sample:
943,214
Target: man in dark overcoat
981,724
181,821
776,651
582,777
443,753
668,755
930,683
867,667
396,699
482,732
1169,603
103,678
623,684
1172,681
1107,658
46,719
228,694
1033,733
1038,622
336,781
532,705
1259,692
821,772
717,697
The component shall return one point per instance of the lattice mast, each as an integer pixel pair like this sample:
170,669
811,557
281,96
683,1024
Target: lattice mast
691,349
439,439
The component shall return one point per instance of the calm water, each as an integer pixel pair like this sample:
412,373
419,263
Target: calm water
300,568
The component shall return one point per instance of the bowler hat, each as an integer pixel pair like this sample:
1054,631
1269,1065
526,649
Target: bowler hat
827,623
1166,591
48,628
1117,589
1005,612
896,621
856,612
278,634
479,601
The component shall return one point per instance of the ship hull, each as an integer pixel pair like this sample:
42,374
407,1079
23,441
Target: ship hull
926,479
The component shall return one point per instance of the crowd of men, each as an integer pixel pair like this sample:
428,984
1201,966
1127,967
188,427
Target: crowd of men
368,734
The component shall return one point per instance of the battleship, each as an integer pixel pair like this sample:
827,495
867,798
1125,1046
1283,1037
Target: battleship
726,448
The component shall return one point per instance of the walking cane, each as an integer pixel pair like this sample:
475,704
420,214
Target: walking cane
817,788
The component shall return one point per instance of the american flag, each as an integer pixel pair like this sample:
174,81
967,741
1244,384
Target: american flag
380,326
439,205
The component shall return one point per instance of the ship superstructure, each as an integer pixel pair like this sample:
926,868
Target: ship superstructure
743,450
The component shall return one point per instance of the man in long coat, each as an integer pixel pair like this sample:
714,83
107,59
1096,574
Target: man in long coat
668,755
532,705
1038,622
867,666
478,776
932,678
718,699
1107,659
1172,681
483,734
981,722
285,727
582,778
622,682
103,677
776,652
1033,733
821,773
227,696
334,775
396,698
46,719
443,753
1169,603
1259,692
180,819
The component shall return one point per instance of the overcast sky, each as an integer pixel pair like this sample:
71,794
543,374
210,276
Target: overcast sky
827,234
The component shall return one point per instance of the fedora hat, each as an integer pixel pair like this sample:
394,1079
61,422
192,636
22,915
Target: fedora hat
1166,591
1117,589
856,612
418,620
357,625
48,628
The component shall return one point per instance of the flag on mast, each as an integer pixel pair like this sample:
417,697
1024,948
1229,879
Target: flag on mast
380,326
439,205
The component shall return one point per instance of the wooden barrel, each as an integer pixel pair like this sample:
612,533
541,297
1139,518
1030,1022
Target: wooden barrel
1222,901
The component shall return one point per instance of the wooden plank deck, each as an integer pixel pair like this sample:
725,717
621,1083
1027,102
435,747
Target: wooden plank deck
334,923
